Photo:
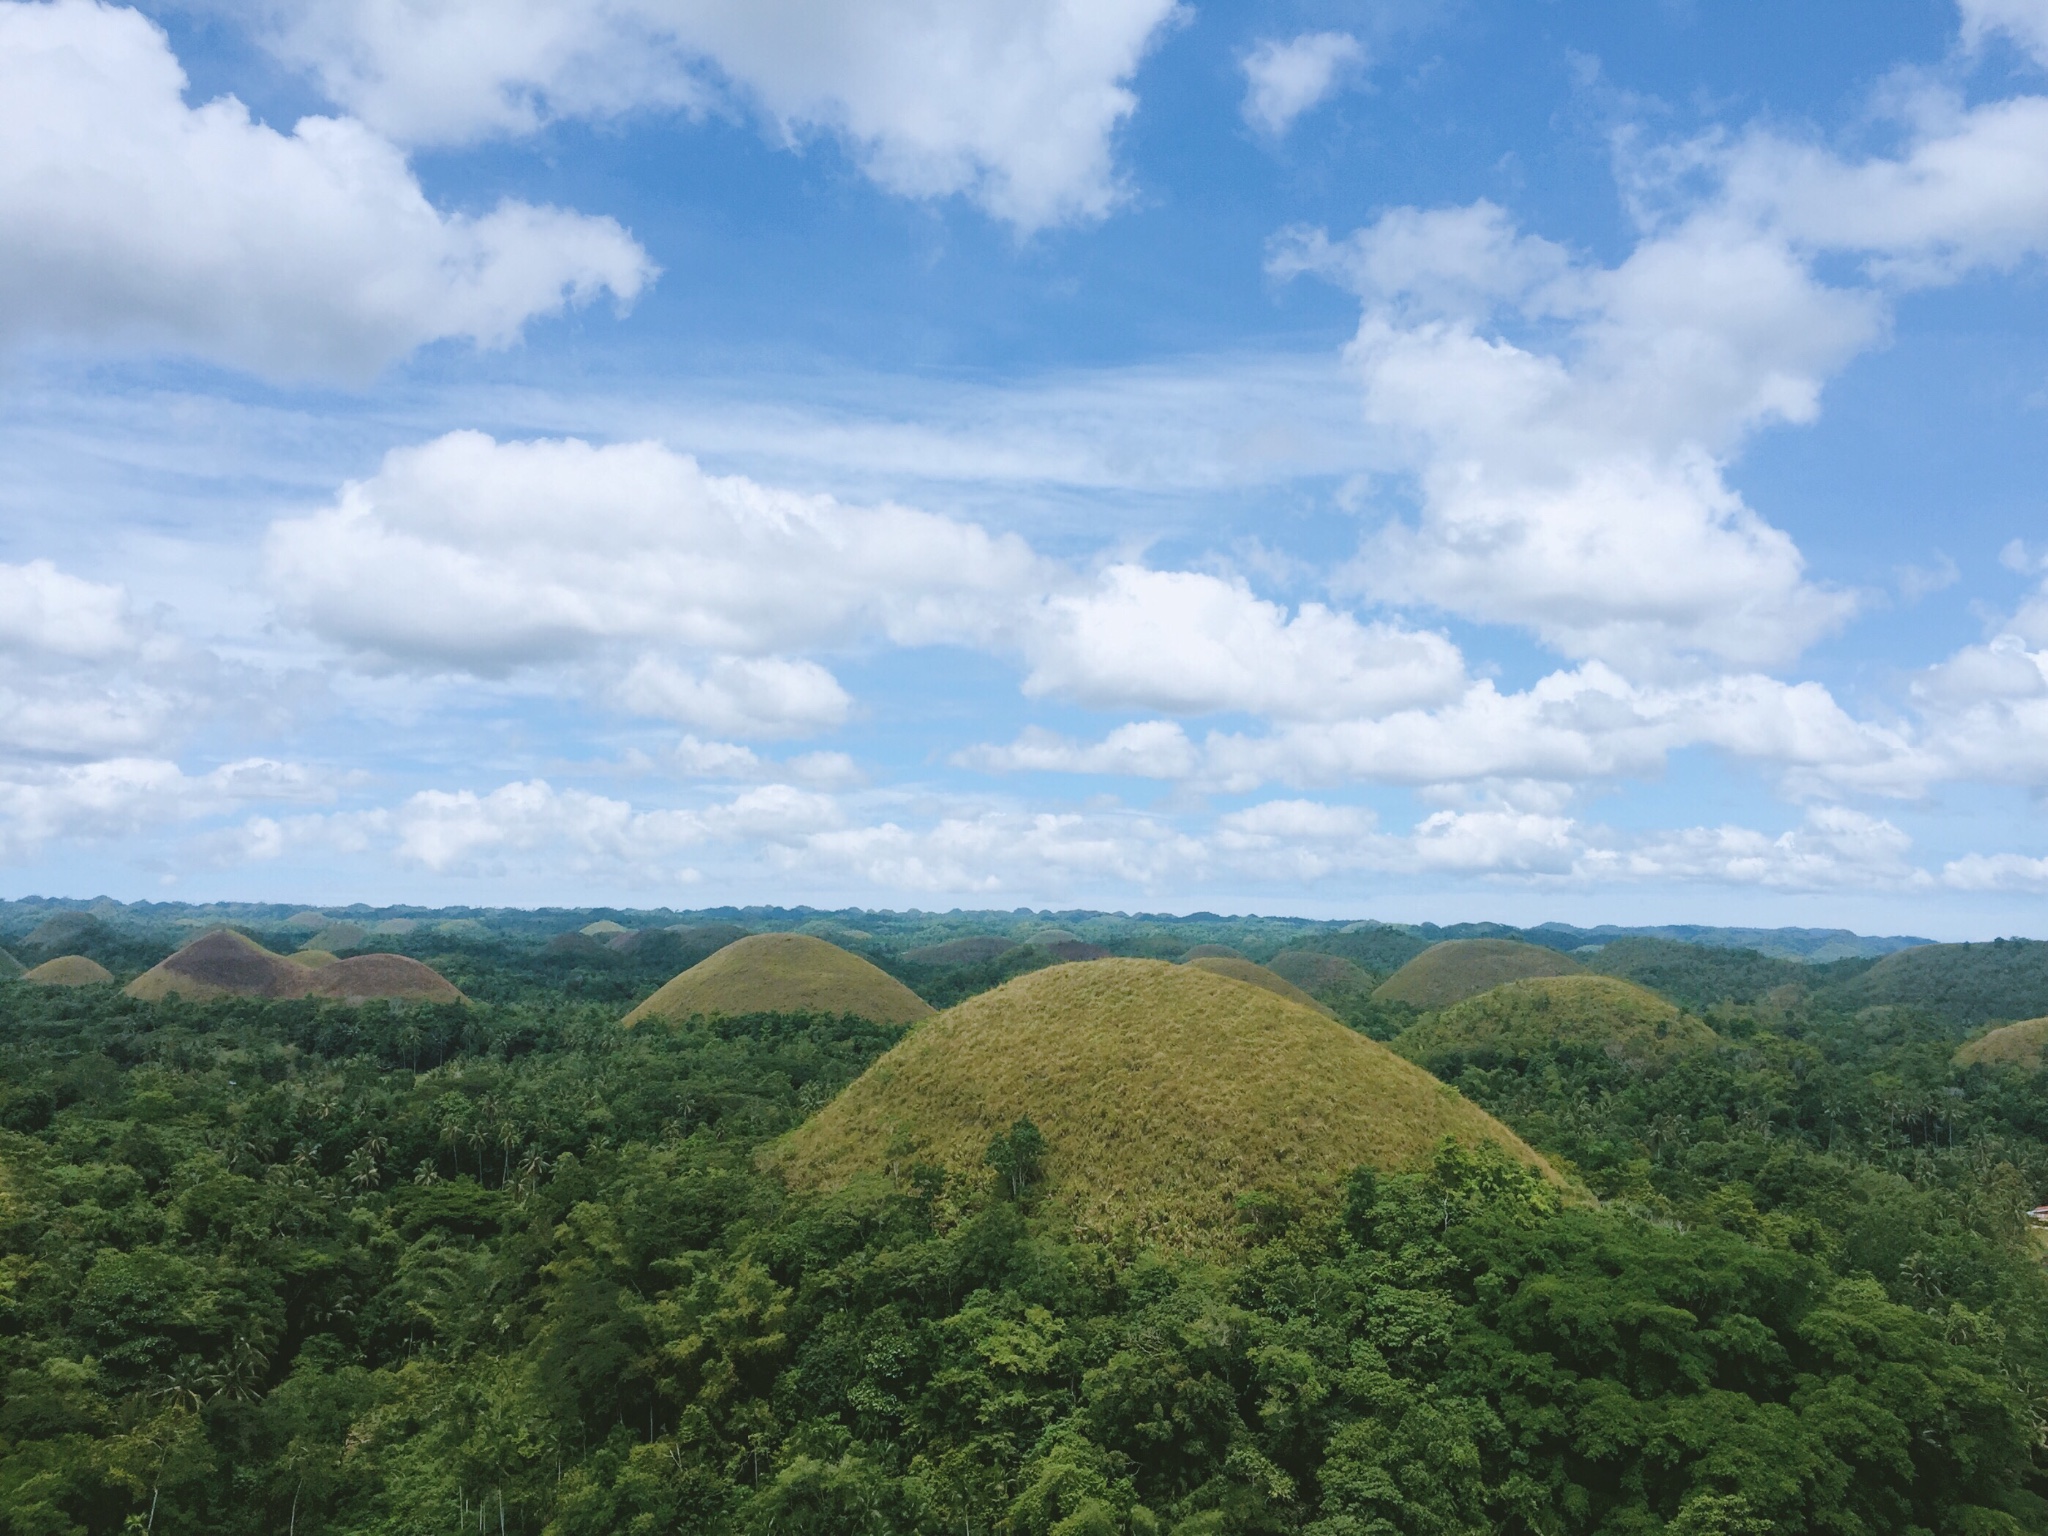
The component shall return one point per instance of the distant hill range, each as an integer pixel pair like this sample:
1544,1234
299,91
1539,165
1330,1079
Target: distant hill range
1378,946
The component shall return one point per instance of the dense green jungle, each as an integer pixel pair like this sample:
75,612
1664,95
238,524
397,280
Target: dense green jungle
303,1268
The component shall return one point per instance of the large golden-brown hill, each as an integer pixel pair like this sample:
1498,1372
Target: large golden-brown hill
68,971
783,973
229,964
1456,969
2023,1045
1164,1092
1237,968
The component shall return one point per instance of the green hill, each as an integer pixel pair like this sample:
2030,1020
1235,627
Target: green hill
9,966
2023,1045
1316,973
1521,1020
784,973
1164,1092
1696,975
1456,969
975,949
1965,985
68,971
1214,952
1240,969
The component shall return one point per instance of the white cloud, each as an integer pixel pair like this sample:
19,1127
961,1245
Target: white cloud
1578,490
1146,749
1285,79
742,696
126,796
1569,727
1836,848
43,609
469,554
1190,643
1011,102
2024,21
127,217
1995,872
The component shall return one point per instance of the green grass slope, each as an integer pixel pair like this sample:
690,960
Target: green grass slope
1316,973
1524,1019
1241,969
1456,969
784,973
1963,984
2023,1045
68,971
1164,1092
9,966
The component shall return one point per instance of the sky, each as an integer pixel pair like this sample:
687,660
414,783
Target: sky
1579,461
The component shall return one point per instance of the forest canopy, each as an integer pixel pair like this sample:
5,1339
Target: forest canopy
297,1266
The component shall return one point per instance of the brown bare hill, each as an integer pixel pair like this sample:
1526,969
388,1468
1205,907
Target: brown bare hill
229,964
975,949
68,971
1456,969
1523,1019
1316,973
220,964
1241,969
362,978
783,973
2023,1045
1164,1092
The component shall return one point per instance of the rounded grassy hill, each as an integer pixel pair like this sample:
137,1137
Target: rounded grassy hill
974,949
2023,1045
1317,973
1238,968
784,973
1164,1092
1525,1019
1456,969
68,971
225,963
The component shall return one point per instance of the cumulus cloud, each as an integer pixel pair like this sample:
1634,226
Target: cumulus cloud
2024,21
741,695
128,217
1836,848
467,554
1577,489
126,796
1588,723
1011,102
43,609
1145,749
1285,79
1190,643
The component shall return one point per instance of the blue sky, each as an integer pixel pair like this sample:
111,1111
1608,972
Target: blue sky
1578,461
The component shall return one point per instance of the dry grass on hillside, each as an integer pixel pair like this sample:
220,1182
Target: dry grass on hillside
1164,1092
68,971
229,964
784,973
1241,969
2024,1045
1456,969
1525,1018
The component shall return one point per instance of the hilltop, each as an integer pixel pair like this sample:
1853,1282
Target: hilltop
784,973
1965,984
1512,1023
225,963
1163,1092
2023,1045
1456,969
68,971
1240,969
